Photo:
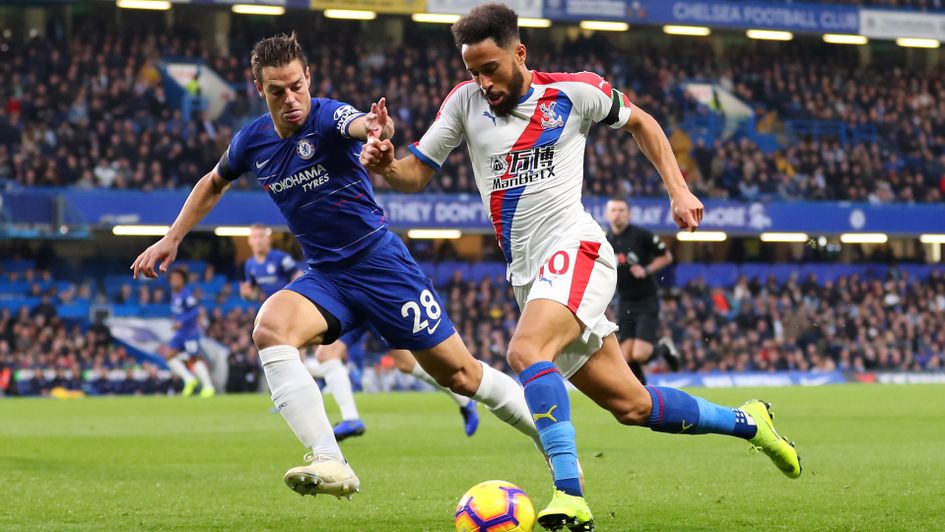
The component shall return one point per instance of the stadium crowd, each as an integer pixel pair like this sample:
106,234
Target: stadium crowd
92,112
855,323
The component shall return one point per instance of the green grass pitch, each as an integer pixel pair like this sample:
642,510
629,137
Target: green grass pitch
872,455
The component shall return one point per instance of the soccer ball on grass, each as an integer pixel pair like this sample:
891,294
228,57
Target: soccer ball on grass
495,506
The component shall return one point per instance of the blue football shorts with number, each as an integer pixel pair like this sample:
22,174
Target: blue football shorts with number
387,290
185,341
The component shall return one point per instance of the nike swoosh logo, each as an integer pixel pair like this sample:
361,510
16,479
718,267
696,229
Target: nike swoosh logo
261,164
432,330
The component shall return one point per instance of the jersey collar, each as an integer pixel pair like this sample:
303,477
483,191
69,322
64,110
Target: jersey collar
523,99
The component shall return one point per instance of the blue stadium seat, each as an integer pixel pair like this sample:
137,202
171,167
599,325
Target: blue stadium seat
15,287
686,272
755,270
155,311
17,266
128,310
446,269
78,310
15,304
721,275
492,270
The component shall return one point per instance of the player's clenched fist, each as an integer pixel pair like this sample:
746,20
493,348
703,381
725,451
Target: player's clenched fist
376,155
162,252
687,210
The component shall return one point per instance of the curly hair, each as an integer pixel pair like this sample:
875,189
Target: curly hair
488,21
278,50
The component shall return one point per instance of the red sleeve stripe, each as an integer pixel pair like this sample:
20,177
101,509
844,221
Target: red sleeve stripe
589,78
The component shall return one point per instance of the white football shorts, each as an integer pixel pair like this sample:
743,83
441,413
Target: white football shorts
580,272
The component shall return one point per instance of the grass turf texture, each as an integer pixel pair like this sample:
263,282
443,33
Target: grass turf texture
872,459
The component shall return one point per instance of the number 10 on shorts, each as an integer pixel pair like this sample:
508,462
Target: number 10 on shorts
412,310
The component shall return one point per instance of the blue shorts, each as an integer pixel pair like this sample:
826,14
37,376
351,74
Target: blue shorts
386,289
354,336
185,342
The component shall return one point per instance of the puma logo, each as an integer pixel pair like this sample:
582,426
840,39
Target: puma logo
546,415
685,427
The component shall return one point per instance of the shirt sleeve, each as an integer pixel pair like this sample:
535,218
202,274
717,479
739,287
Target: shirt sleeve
445,133
233,163
596,100
337,116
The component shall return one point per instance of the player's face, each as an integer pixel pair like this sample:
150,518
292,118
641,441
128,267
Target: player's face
498,72
259,241
177,282
285,89
618,214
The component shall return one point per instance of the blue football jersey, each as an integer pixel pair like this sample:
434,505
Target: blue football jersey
186,310
316,180
272,273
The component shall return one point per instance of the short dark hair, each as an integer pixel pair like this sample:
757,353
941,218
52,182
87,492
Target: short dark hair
278,50
488,21
179,270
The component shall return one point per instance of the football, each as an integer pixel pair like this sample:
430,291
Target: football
495,506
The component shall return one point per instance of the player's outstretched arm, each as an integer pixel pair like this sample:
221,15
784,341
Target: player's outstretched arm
205,195
687,209
408,175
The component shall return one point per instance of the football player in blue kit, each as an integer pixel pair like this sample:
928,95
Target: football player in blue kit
185,344
332,368
268,270
305,153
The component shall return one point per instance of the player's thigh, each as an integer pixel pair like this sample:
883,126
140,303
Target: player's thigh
311,310
543,329
403,360
608,381
566,302
289,318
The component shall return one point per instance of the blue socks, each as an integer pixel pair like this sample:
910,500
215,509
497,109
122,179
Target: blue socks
677,412
550,406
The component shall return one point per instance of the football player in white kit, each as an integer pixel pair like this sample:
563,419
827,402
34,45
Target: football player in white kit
526,133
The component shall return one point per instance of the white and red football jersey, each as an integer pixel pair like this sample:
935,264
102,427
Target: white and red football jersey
529,165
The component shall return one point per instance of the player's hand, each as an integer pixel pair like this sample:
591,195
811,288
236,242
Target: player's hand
377,155
161,254
687,210
246,290
638,271
376,120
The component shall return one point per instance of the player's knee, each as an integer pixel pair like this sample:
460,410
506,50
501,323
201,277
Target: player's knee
522,353
266,335
461,381
642,353
632,413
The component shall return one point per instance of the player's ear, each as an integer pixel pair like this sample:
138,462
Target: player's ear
520,53
259,88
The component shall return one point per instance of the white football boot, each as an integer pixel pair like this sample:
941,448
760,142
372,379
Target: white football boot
323,474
